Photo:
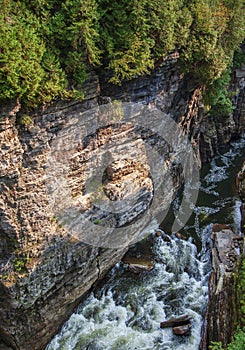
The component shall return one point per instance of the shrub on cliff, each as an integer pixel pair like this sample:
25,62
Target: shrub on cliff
237,343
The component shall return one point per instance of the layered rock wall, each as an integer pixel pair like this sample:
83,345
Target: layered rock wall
222,316
45,271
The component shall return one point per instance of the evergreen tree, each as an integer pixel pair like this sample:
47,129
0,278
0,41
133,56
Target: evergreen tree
46,45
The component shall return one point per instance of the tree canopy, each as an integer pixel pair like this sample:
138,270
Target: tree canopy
46,45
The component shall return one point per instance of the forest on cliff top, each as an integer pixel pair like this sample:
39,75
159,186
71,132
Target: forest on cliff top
47,45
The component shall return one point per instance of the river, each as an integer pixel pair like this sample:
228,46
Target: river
125,312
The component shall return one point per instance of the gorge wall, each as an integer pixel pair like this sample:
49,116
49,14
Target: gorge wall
224,312
45,271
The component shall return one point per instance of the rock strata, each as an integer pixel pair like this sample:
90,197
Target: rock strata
45,271
222,314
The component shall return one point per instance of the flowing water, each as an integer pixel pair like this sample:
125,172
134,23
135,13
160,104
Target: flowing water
125,313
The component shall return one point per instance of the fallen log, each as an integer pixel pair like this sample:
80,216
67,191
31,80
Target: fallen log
176,321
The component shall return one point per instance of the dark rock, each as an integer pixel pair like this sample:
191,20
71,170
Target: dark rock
176,322
224,252
219,227
138,264
163,235
180,236
140,257
215,132
166,238
4,347
182,330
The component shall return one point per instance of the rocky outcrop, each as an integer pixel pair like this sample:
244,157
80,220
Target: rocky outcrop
140,257
208,134
216,132
47,264
240,181
46,269
222,316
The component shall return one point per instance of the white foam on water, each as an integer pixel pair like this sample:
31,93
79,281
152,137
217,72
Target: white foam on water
218,173
126,315
130,319
237,217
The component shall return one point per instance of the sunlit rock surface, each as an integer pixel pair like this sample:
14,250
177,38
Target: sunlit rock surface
45,270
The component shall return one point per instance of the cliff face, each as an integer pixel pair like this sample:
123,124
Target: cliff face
240,180
223,316
45,270
179,96
218,131
224,313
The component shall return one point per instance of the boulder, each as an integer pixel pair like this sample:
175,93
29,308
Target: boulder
220,227
182,330
181,236
139,264
140,257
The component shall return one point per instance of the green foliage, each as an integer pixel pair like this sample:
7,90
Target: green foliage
217,98
134,62
71,27
19,265
21,53
46,45
203,51
236,344
25,119
239,58
234,31
124,33
241,286
216,346
238,341
23,72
